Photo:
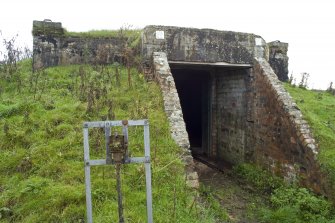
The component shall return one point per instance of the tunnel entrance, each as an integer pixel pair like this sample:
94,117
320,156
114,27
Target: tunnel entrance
215,102
193,89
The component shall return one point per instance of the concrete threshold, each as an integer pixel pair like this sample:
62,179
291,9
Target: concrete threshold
212,163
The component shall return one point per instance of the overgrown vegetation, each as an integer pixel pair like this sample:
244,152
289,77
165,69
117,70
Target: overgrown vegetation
261,179
128,42
127,31
287,203
292,204
10,57
41,159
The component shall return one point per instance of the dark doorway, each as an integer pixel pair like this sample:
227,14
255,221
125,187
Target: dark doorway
192,86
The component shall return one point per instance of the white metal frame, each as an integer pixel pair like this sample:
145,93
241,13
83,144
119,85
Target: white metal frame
146,159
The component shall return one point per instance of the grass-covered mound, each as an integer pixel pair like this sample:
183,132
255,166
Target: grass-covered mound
41,158
318,108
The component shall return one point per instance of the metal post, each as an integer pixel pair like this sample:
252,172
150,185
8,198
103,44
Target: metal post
87,176
148,171
125,133
107,134
119,192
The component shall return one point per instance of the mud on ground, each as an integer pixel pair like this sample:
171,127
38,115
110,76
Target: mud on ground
236,197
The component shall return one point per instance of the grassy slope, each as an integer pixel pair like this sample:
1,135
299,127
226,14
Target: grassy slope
105,33
41,158
318,109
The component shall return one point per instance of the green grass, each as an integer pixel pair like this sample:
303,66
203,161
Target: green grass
104,33
130,37
298,205
318,108
261,179
286,203
41,158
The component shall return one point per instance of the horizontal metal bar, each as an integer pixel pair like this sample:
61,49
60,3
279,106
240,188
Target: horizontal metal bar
129,160
96,162
103,124
138,160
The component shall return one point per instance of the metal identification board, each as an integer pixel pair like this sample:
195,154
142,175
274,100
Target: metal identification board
159,34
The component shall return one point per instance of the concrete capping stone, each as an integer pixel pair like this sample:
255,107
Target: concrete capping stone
312,147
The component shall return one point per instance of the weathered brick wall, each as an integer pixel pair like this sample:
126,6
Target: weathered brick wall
255,120
283,140
230,115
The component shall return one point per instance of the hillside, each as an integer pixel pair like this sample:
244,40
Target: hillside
41,159
318,108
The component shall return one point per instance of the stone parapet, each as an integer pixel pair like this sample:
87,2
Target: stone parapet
288,147
163,76
172,106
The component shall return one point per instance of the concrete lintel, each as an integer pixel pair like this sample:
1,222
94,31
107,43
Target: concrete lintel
207,64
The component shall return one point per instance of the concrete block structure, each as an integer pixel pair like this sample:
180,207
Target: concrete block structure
222,95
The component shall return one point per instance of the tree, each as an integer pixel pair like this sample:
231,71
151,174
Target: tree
330,89
304,80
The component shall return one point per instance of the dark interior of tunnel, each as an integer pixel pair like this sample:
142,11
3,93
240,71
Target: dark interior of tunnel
192,87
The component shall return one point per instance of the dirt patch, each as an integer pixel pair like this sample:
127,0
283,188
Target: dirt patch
235,196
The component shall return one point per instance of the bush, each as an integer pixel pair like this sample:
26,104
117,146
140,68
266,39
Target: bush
290,204
297,205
